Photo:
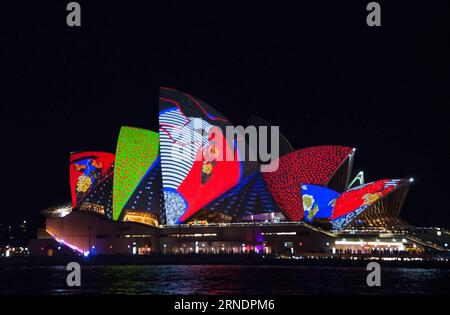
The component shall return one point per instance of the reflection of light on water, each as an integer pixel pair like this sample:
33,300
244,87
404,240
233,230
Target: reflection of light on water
221,279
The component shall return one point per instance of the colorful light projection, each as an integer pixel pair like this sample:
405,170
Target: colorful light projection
196,167
318,201
147,197
101,197
314,165
136,151
354,201
87,170
192,175
249,197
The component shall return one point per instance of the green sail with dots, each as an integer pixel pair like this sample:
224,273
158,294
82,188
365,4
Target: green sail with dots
136,150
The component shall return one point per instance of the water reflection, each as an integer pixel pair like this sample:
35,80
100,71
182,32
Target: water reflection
183,279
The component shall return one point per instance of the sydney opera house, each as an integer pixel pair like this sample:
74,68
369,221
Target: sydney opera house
143,199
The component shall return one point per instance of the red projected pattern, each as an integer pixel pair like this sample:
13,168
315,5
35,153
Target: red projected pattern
197,190
193,152
87,170
364,195
314,165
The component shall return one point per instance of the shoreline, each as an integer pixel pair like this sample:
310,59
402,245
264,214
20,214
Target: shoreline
235,259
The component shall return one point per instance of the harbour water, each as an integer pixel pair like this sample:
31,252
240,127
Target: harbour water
221,279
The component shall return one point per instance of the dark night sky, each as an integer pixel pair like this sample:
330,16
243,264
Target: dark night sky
315,69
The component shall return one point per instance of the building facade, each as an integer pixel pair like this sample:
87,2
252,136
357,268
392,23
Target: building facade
186,189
